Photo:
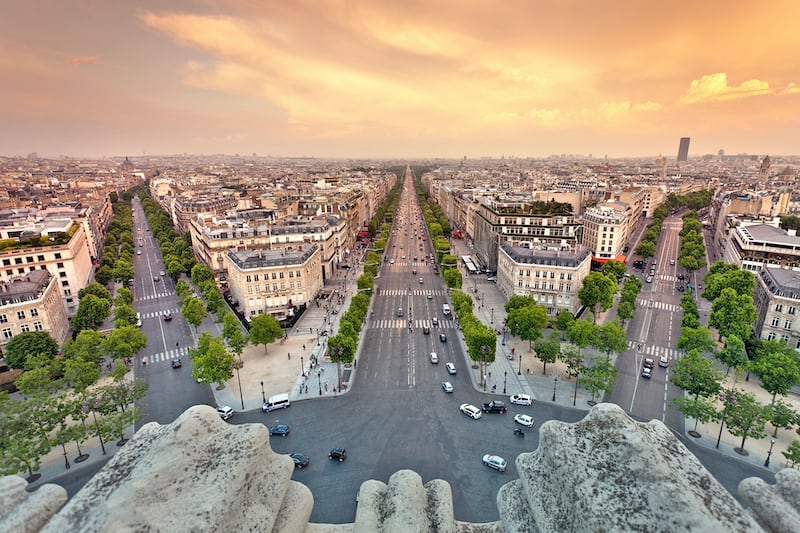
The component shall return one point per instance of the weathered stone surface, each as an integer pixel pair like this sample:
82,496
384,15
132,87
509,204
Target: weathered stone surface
775,507
611,473
24,512
196,474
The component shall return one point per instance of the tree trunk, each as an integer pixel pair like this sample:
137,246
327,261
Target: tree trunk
544,370
741,446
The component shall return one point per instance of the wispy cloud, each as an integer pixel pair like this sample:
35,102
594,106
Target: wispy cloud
715,87
78,61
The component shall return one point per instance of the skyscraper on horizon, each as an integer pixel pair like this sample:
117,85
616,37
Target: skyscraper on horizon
683,149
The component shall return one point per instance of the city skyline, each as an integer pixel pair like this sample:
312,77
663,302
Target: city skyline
391,79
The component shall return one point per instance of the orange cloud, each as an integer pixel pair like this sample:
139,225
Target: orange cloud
714,87
81,60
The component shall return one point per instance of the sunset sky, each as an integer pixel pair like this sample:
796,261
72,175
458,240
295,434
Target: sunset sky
399,78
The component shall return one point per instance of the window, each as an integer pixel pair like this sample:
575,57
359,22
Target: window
249,278
3,319
771,336
34,312
785,338
62,274
779,308
249,289
37,326
40,258
65,283
67,292
297,274
57,255
280,275
60,265
7,333
25,328
291,274
792,310
299,284
787,324
29,259
255,277
6,262
776,321
17,260
21,315
20,271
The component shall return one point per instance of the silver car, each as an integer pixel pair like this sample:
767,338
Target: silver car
470,410
495,461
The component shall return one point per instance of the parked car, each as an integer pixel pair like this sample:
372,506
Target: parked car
524,420
176,363
300,460
447,386
521,399
338,453
280,429
495,461
225,412
470,410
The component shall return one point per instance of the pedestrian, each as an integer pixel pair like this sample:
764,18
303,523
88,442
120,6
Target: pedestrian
304,347
494,388
306,388
301,388
289,355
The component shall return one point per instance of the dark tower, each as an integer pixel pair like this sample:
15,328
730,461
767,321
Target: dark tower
683,149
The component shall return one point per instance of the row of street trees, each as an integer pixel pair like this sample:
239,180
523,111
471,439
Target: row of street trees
176,250
692,255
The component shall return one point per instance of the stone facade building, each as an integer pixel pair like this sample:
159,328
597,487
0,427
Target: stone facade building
32,303
777,301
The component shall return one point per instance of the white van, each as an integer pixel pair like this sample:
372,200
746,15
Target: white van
279,401
138,319
446,309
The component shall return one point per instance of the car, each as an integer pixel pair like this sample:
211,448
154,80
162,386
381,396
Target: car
442,337
663,361
649,363
224,412
391,261
338,453
470,410
162,273
280,429
647,373
649,279
671,261
434,358
430,296
451,368
399,311
421,281
495,461
176,363
156,278
435,321
521,399
426,330
300,460
138,252
413,272
681,277
403,255
447,386
524,420
167,316
492,279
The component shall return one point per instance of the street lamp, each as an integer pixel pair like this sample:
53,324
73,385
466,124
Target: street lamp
555,382
491,320
484,350
729,398
302,366
263,397
505,378
769,453
239,379
319,377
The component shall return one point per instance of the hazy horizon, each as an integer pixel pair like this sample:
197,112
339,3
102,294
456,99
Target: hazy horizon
398,80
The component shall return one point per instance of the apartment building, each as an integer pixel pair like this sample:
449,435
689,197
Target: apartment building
777,301
186,206
551,277
752,243
62,249
274,281
606,229
32,302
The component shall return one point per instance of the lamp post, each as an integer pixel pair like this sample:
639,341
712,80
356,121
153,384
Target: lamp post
769,453
491,320
239,379
263,397
555,382
484,350
505,378
319,377
302,366
503,342
729,398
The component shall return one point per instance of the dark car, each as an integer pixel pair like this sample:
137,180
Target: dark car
176,363
338,453
156,278
167,316
280,429
426,330
442,337
300,460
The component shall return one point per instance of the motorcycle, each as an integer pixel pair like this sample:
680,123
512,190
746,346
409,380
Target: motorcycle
519,433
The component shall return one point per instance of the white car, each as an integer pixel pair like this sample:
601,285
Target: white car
434,358
495,461
470,410
224,412
447,386
451,368
524,420
521,399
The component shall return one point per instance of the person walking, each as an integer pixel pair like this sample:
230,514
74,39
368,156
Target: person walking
289,355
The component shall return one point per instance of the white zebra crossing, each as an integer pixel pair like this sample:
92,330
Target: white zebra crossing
155,296
160,313
660,305
414,292
656,351
169,355
400,323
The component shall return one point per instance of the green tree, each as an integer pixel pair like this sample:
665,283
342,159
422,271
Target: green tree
96,289
733,355
194,311
481,344
696,339
233,334
124,341
597,292
365,282
27,344
104,274
124,296
22,443
698,377
452,278
182,289
87,346
201,273
746,417
781,416
599,377
124,315
732,314
778,372
582,333
548,349
625,310
527,322
575,362
92,312
614,269
741,281
792,453
173,266
81,373
646,249
518,301
212,362
123,272
563,320
341,349
610,339
264,329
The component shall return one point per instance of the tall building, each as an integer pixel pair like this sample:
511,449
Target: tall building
683,149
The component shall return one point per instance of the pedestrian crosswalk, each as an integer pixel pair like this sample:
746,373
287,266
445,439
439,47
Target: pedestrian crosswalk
403,323
655,352
167,356
413,292
659,305
155,296
161,313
